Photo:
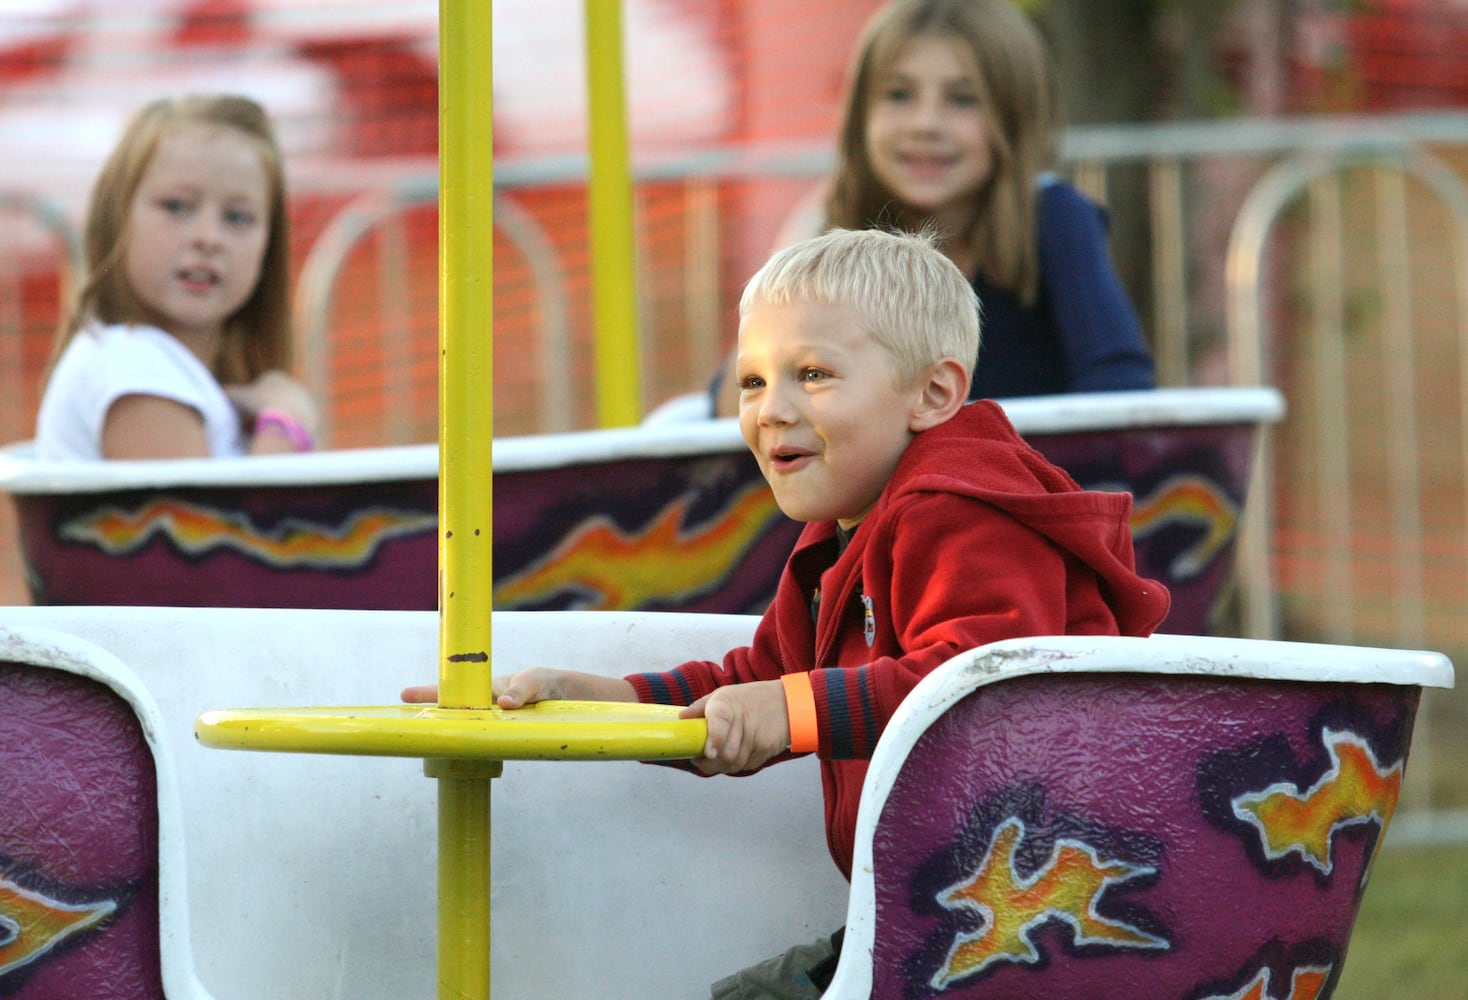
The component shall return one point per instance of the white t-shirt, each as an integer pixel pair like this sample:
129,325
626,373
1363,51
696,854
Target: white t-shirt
104,363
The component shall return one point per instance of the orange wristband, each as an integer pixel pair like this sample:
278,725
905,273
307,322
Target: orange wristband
800,705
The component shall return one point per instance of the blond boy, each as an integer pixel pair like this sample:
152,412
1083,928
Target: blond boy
932,528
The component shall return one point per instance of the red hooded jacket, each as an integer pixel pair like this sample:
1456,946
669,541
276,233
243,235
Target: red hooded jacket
976,538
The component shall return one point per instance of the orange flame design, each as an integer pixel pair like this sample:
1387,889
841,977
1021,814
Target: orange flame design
613,570
1184,500
32,924
1356,789
1305,984
1067,888
196,530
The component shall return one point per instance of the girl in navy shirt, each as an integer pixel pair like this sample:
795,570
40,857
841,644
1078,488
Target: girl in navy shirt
950,125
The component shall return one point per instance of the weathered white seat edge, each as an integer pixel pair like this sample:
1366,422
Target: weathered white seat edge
315,875
54,650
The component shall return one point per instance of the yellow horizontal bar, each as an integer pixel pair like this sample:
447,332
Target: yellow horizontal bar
549,730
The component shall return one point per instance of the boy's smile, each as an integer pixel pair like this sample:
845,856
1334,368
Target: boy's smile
821,407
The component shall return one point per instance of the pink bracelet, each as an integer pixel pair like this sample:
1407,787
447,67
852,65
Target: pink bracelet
300,438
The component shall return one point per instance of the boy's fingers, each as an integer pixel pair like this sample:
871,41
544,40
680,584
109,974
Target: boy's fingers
420,694
694,711
699,710
514,695
720,726
727,737
526,686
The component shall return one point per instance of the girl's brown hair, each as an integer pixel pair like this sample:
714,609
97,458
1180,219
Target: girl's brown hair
1018,92
258,336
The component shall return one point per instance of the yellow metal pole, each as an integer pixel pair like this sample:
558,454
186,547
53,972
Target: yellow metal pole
613,242
466,432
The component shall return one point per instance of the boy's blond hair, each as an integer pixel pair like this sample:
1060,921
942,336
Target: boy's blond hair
916,302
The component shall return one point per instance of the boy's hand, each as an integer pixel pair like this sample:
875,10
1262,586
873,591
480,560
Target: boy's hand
420,694
525,687
748,725
515,691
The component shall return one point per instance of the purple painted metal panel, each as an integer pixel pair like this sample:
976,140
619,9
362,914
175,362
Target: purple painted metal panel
696,533
360,545
78,842
1116,836
1188,484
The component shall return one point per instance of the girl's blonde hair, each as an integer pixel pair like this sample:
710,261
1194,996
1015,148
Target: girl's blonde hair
1018,92
258,336
914,301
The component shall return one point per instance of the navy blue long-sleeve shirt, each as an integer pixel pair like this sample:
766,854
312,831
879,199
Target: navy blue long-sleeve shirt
1082,334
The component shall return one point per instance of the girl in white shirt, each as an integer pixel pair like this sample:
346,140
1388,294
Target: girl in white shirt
178,341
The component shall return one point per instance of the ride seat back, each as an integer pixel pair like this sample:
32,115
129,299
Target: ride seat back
1115,818
91,898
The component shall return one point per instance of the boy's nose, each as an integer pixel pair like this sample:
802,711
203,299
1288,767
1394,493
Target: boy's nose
776,408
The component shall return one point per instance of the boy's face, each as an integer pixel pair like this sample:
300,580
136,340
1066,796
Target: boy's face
821,408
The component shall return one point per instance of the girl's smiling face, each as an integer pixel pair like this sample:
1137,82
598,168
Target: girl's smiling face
822,408
197,230
927,134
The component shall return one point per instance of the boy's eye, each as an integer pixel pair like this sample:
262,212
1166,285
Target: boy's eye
174,206
751,382
239,217
813,375
964,99
897,93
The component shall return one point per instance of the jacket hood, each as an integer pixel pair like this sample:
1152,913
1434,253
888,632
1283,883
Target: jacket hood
979,454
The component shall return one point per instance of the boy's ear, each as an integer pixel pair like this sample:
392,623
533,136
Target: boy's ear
944,391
